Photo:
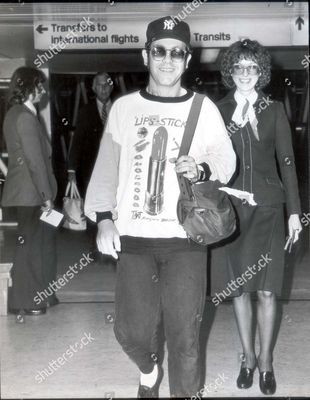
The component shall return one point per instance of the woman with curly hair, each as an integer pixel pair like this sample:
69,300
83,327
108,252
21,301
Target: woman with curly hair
29,188
261,136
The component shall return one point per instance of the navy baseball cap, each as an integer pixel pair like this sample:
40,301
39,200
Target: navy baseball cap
168,27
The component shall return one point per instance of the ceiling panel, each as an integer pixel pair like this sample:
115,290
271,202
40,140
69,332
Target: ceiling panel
17,39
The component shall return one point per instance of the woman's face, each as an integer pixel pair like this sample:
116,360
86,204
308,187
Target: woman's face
245,74
39,92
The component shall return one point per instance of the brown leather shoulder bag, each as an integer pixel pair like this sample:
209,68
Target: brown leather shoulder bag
205,212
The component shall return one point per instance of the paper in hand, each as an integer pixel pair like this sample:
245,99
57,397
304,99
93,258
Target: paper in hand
240,194
52,217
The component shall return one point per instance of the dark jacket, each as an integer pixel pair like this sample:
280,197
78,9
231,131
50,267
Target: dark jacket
85,143
30,180
256,160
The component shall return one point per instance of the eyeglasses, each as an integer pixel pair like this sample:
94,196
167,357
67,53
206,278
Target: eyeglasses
159,53
109,82
252,69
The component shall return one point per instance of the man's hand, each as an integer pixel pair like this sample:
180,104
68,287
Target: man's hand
108,240
71,176
294,227
187,166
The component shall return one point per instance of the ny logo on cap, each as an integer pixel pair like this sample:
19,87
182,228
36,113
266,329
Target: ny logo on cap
169,24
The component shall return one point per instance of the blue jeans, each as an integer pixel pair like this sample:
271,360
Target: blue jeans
168,288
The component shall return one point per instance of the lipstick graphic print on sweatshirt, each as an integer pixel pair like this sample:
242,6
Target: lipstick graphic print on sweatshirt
133,177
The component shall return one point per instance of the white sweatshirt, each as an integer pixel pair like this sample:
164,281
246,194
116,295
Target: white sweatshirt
133,177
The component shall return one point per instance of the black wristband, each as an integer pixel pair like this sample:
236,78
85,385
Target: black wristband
100,216
207,172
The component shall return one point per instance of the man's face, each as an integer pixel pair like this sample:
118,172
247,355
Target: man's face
102,87
166,67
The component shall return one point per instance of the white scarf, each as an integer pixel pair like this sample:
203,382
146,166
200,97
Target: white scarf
250,113
31,107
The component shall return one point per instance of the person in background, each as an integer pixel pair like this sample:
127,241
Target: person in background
261,136
132,195
89,128
30,188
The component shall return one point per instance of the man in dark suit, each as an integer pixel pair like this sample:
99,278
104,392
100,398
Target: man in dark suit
89,129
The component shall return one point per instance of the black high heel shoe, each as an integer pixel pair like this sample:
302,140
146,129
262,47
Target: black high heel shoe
267,382
245,378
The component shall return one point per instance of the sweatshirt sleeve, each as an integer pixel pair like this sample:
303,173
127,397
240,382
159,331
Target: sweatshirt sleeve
102,189
213,138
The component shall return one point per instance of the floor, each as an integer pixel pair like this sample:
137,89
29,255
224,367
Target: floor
71,352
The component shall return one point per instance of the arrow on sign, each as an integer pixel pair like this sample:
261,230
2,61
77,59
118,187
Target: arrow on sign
41,28
299,22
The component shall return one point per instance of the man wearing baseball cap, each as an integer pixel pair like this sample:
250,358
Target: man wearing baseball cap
133,193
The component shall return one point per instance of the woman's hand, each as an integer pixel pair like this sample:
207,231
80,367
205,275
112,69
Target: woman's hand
294,227
48,205
187,166
71,176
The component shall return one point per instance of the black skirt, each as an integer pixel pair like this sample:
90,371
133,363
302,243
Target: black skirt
253,259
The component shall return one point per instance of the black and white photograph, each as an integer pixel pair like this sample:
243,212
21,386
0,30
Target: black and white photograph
154,200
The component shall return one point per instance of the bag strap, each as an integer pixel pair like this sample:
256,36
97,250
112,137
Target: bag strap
72,191
76,193
189,131
191,124
67,189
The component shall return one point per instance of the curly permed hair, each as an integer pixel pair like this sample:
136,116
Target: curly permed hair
23,83
249,50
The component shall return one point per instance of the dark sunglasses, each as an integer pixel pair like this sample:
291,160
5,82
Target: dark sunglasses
159,53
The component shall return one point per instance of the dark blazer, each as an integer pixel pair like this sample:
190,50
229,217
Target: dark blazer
256,170
30,180
85,143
